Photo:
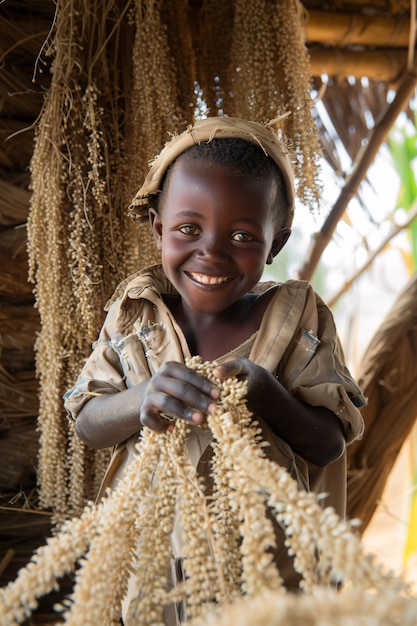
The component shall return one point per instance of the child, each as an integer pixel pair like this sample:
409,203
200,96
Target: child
220,202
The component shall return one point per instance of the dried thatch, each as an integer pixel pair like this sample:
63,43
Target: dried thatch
14,204
14,264
388,379
20,102
16,144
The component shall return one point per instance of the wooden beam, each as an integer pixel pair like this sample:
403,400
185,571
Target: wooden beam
347,29
382,65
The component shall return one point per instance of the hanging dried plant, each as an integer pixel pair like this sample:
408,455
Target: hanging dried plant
84,174
294,79
157,97
76,228
255,65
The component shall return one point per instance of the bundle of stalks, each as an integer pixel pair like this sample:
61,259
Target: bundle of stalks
76,222
255,65
246,485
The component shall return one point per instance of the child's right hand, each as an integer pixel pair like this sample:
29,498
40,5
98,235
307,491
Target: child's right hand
178,392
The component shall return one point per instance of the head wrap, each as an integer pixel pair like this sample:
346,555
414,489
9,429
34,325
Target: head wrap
206,130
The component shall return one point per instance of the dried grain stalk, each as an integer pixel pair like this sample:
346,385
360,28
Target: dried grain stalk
84,174
156,100
105,536
255,64
76,224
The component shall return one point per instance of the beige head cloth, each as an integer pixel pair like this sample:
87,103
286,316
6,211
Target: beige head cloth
206,130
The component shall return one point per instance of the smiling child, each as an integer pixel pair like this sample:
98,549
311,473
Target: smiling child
220,201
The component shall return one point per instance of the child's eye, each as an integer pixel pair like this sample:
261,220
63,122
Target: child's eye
188,229
242,237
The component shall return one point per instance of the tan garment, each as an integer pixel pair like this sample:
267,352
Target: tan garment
296,341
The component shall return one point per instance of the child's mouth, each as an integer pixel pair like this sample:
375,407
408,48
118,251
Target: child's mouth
205,279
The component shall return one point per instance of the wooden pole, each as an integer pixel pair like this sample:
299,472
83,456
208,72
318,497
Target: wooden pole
346,29
382,65
364,160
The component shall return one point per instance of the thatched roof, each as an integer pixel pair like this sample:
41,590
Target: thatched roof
345,39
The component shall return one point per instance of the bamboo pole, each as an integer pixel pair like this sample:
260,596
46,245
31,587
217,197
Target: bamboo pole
345,29
364,160
383,65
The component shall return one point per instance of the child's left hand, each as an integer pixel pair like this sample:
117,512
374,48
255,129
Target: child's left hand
259,380
314,432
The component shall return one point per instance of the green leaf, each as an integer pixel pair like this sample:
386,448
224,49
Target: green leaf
402,143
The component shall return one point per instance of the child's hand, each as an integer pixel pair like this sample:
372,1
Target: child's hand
314,432
176,391
259,380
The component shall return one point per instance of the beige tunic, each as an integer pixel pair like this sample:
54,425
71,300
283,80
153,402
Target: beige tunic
296,341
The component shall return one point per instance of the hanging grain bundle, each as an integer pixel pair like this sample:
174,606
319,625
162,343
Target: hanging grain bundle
228,533
75,225
157,100
269,75
175,22
252,76
294,78
213,26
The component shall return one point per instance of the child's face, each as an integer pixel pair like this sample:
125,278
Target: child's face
215,231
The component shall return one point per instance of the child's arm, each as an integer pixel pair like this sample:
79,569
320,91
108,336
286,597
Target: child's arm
175,390
314,432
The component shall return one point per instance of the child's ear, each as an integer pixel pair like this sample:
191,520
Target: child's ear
278,243
156,226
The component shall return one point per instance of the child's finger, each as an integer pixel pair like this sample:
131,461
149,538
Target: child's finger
181,379
228,369
159,416
172,395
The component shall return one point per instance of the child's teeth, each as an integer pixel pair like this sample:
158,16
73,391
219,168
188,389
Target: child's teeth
209,280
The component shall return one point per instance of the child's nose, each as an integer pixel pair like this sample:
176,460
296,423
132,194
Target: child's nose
213,246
